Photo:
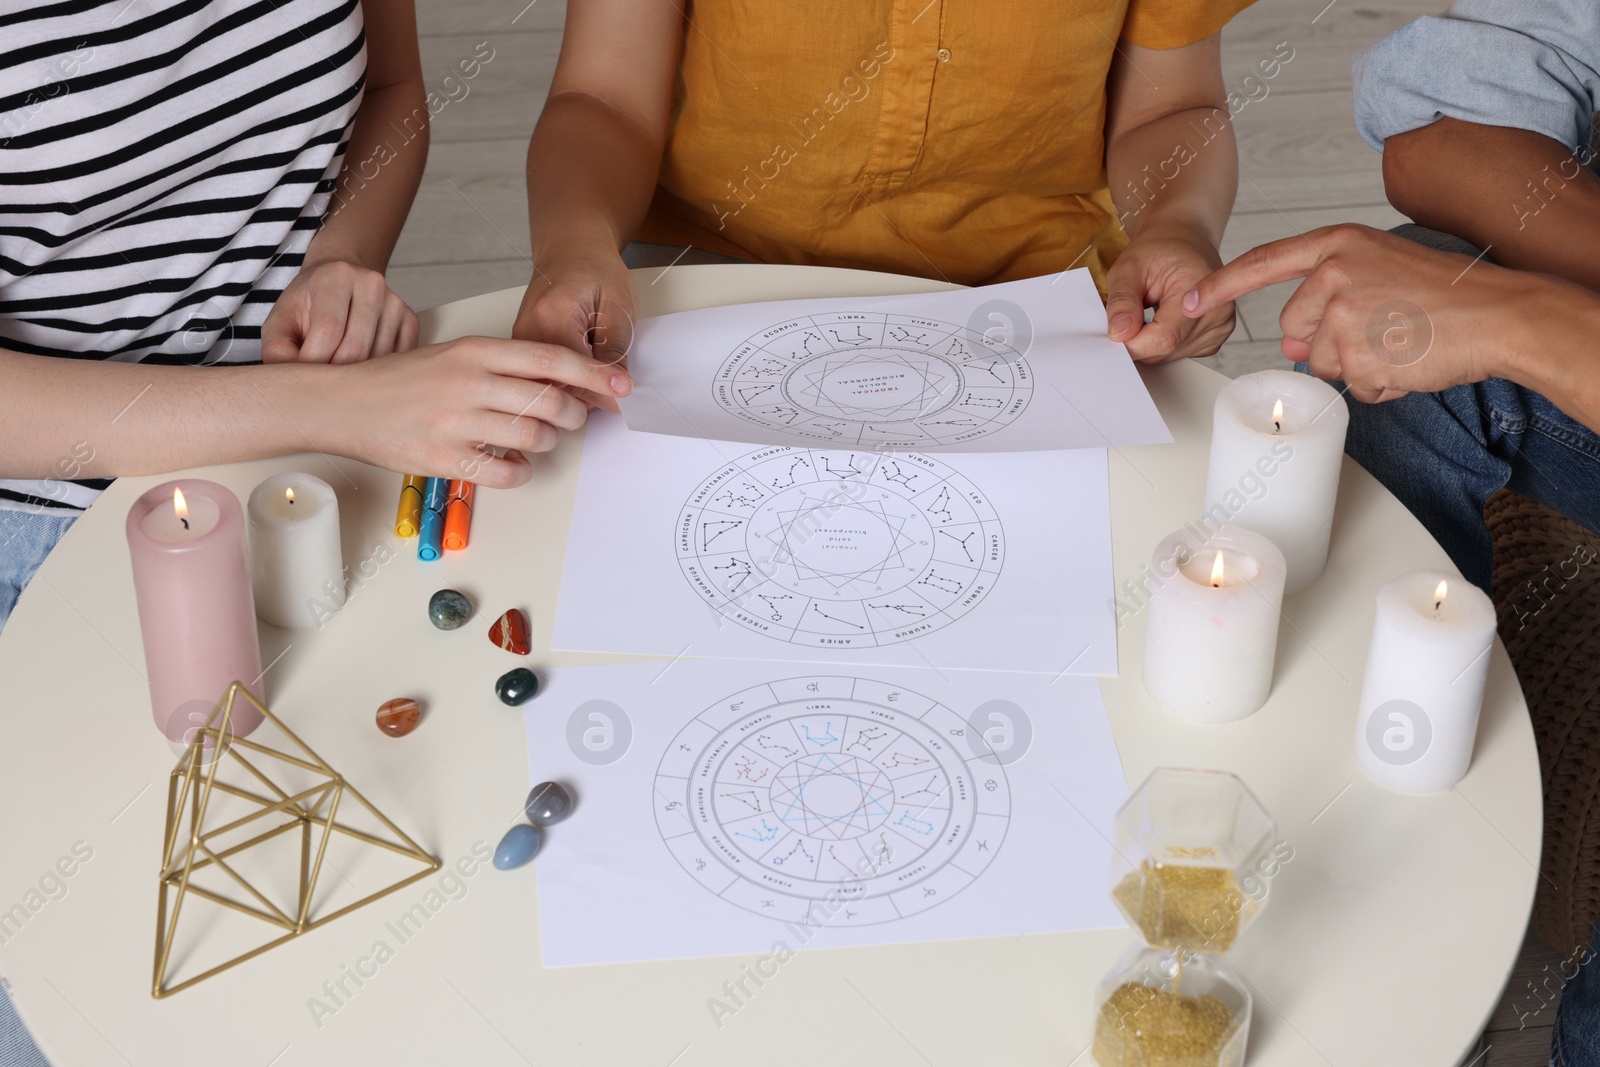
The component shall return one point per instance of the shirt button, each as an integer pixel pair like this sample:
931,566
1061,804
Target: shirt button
944,55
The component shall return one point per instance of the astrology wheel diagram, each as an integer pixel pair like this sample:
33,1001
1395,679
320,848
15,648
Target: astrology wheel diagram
876,380
830,799
839,549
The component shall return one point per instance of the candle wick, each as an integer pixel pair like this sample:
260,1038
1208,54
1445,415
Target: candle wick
1277,427
184,521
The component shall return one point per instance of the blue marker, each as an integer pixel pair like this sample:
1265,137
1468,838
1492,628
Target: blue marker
430,538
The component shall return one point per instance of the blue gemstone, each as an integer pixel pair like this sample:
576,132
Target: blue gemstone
520,845
449,609
548,803
517,686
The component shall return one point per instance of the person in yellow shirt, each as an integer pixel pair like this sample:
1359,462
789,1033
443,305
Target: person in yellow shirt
969,142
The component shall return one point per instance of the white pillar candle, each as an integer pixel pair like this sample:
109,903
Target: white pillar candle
295,560
1212,635
1423,689
1277,472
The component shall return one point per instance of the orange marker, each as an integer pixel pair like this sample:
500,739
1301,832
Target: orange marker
408,518
458,515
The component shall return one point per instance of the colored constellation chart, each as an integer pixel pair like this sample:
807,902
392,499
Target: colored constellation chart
839,549
875,379
786,793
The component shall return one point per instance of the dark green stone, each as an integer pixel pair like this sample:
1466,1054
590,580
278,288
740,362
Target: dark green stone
448,609
517,687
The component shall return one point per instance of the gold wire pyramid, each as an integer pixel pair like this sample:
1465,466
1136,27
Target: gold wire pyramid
190,840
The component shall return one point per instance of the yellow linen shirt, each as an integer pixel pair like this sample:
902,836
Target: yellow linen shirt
949,139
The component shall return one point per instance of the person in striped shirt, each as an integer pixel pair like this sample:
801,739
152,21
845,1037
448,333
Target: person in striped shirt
188,187
166,173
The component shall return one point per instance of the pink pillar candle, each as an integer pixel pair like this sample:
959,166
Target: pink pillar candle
191,576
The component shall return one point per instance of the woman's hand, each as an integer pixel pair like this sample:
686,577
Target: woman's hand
449,410
583,302
1158,267
337,312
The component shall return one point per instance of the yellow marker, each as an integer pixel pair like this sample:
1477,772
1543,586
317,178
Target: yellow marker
408,519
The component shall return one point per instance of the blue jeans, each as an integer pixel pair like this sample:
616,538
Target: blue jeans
26,537
1443,454
16,1047
1576,1040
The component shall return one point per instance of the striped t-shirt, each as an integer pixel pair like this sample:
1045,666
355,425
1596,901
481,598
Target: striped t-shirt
163,166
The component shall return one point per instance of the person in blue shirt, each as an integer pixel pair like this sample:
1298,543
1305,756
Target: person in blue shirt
1471,351
1469,341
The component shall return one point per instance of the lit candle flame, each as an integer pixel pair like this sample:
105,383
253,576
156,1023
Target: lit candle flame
1216,571
1440,591
288,494
1277,414
181,506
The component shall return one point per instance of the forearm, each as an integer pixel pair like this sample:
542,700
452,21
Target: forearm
127,418
1518,194
591,174
382,169
1555,347
1181,169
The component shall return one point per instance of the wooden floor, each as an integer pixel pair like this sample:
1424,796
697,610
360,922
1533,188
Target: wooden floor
1302,165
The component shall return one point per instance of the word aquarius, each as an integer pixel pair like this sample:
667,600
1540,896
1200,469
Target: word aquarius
851,91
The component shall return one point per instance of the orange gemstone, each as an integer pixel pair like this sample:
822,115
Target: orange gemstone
510,632
399,717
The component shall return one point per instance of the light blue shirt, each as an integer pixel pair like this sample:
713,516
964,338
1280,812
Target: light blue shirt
1527,64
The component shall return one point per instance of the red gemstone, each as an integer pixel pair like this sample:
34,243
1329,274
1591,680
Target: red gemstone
510,632
399,717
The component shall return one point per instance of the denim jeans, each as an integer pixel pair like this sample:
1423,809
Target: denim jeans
16,1047
1443,454
1576,1041
26,538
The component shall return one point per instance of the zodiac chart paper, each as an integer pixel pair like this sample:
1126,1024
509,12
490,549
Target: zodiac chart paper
875,379
683,547
840,549
1018,367
726,806
813,786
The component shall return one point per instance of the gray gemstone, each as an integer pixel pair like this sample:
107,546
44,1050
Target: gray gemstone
449,609
548,803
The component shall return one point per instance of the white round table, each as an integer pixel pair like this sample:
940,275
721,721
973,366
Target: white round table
1388,938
